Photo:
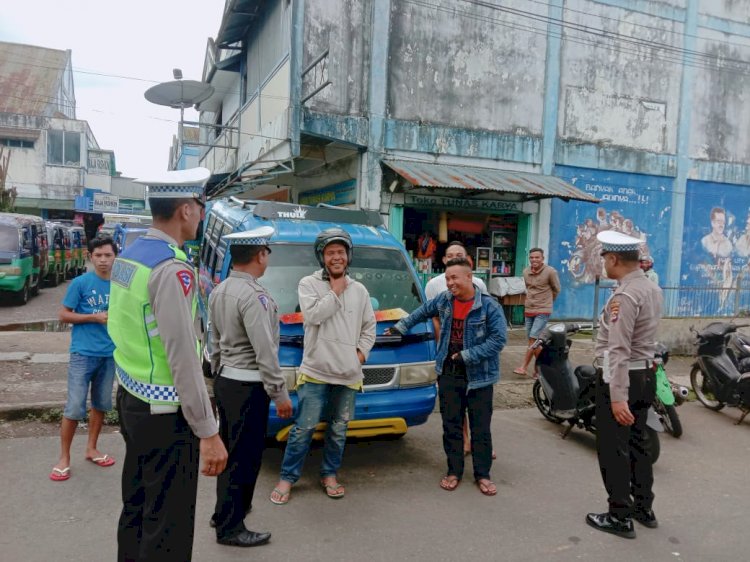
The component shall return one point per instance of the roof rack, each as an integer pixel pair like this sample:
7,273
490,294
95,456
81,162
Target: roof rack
273,210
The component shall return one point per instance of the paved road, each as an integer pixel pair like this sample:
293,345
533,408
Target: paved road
42,307
394,509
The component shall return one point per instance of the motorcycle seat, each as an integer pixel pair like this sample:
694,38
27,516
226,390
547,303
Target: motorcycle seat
586,372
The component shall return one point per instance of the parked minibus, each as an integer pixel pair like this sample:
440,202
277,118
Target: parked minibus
399,376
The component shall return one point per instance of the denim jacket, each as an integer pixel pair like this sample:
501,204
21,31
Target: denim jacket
484,335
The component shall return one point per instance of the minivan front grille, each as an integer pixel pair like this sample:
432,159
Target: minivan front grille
378,375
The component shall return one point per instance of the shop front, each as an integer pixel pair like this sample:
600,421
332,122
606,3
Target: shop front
494,213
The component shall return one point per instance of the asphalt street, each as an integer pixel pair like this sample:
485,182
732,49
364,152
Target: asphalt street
394,509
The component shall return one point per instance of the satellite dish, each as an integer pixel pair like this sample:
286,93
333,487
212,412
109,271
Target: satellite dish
179,93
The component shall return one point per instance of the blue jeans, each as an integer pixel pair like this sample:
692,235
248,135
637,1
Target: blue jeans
315,400
85,370
535,325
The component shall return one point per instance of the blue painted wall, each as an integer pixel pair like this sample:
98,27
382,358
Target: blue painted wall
636,204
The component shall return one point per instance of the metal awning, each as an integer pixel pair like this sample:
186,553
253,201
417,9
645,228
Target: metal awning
526,186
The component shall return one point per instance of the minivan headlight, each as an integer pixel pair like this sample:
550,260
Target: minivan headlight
10,269
417,374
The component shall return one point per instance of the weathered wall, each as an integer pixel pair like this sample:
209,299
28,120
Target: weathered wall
720,111
615,92
343,27
467,66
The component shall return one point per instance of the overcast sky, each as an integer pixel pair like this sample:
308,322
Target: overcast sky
140,39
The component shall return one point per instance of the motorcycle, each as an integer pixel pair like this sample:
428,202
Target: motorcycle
714,376
738,347
668,394
563,394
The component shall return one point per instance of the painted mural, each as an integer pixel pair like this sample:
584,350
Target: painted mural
716,247
634,204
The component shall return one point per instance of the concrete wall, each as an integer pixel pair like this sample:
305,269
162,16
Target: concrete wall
467,66
617,93
342,27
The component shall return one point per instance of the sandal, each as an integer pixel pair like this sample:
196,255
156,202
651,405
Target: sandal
335,492
59,474
283,496
519,371
449,482
486,486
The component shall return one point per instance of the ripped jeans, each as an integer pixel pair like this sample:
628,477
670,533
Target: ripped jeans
332,403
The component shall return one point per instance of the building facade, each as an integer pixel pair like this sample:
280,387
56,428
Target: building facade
500,123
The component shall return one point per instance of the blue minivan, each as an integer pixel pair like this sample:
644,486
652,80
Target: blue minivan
399,376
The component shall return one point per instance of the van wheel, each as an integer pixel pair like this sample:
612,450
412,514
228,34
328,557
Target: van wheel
54,279
35,289
22,296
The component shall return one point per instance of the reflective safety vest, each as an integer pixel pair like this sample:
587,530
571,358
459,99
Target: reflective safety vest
140,359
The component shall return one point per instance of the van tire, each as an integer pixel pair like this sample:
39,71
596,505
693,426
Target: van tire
36,288
22,296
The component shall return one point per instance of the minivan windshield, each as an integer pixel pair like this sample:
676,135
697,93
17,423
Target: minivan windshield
383,271
8,238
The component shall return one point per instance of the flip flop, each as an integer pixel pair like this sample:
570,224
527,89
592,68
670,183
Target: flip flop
59,474
334,492
449,482
104,461
283,497
519,371
487,487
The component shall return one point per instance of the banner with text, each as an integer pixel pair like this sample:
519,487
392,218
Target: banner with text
634,204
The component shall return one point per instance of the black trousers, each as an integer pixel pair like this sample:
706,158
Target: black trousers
623,451
454,403
159,484
243,417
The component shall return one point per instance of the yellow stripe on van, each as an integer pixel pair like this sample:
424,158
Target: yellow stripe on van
356,428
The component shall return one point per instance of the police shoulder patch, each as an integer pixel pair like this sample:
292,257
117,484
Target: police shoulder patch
263,300
614,310
185,277
123,273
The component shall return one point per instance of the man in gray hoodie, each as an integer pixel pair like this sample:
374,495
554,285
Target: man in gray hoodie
339,325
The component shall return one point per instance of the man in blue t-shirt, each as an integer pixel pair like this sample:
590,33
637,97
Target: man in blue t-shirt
91,363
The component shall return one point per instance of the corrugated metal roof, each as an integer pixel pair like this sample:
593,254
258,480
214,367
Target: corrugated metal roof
29,76
237,18
529,186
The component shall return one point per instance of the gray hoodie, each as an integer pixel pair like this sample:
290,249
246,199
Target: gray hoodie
335,328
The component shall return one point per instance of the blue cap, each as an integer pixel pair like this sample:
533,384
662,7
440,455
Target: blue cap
259,236
615,242
177,184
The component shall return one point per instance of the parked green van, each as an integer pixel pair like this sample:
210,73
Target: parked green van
23,255
56,265
78,251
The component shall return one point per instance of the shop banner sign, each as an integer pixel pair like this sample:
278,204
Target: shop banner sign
344,193
104,203
716,249
456,203
634,204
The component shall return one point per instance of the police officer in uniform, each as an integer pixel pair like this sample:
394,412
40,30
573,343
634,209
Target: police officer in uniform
245,359
626,387
165,414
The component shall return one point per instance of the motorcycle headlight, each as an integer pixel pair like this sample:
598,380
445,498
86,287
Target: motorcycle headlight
417,374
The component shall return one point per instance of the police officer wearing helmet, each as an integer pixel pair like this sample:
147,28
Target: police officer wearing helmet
245,359
339,325
166,417
626,387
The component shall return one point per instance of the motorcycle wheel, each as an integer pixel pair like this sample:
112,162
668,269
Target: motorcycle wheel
702,388
542,403
653,444
670,419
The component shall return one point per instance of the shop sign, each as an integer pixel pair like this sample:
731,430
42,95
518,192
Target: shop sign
344,193
99,162
104,203
458,203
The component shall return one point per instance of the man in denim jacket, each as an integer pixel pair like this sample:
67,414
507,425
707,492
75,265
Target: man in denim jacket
473,332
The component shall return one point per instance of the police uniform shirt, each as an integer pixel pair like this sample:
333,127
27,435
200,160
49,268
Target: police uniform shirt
171,288
627,329
245,331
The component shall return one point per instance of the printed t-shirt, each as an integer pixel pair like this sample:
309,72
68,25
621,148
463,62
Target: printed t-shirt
89,294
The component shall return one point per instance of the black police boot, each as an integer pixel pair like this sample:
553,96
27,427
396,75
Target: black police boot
245,538
646,518
610,524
